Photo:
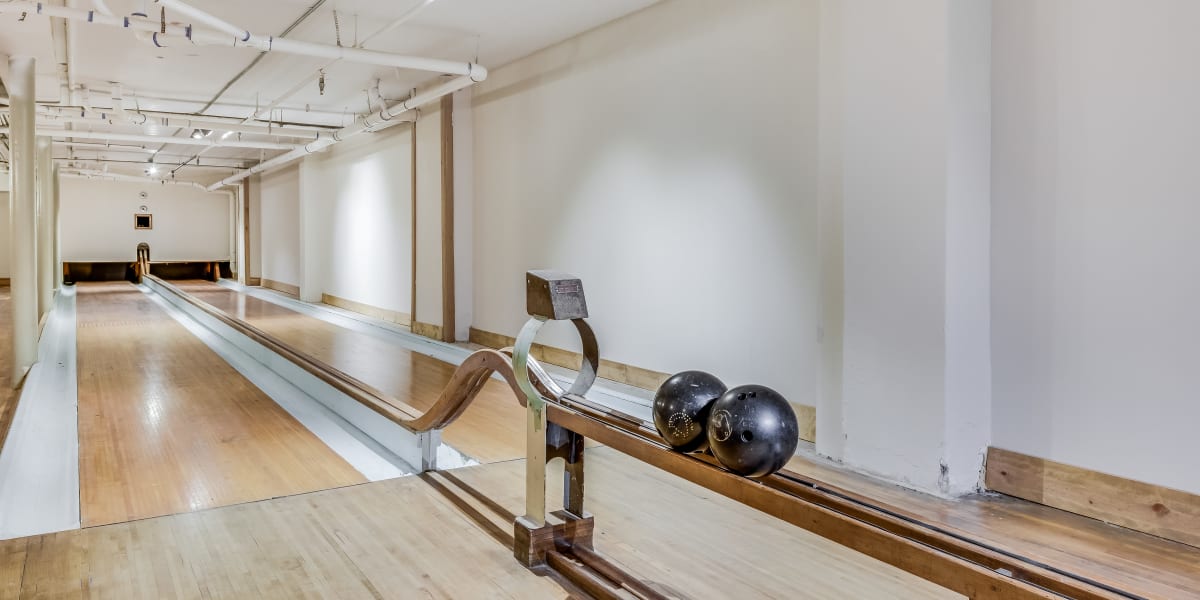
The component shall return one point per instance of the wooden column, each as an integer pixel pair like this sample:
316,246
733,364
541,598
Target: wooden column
244,276
448,218
413,169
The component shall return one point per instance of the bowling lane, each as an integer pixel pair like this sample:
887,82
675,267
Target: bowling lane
492,430
166,426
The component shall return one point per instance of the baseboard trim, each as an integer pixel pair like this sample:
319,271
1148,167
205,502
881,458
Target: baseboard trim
254,281
383,314
638,377
5,281
1145,507
433,332
279,286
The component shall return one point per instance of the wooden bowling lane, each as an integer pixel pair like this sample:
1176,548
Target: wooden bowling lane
167,426
8,396
493,429
432,537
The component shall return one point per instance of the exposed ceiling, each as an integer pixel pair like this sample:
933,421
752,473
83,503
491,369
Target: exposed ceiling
204,79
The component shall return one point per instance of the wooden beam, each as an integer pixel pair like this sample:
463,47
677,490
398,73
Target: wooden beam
448,218
413,170
245,231
1153,509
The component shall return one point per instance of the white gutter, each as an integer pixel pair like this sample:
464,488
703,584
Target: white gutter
158,139
244,39
370,123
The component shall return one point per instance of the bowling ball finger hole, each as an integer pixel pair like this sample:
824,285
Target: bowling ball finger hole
747,436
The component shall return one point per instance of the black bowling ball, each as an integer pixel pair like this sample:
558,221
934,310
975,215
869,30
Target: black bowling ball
752,430
681,408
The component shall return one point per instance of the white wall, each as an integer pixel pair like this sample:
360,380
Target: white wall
5,242
279,226
361,230
429,216
97,221
669,159
1096,282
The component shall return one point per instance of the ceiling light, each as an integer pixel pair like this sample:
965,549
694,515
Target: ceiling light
201,133
152,170
226,135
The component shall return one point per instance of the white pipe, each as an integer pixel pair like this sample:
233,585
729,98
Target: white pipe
90,174
375,122
69,115
45,201
23,210
402,19
262,44
107,147
159,139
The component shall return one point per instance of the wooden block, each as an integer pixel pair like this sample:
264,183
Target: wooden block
279,286
383,314
433,332
562,530
1153,509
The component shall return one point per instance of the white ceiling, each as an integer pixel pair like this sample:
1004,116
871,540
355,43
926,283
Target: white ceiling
490,32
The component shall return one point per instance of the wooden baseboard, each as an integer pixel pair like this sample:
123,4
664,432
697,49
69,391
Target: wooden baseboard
383,314
279,286
5,281
621,373
614,371
433,332
254,281
1153,509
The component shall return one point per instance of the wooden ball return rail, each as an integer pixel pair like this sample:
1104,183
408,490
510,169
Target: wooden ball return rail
559,421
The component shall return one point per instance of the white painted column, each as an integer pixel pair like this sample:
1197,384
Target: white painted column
56,227
312,223
45,224
23,216
910,135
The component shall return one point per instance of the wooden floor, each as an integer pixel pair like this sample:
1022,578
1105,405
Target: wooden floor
8,396
429,537
167,426
493,429
1145,565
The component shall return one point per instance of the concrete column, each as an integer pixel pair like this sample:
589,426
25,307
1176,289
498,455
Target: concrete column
45,224
23,216
910,124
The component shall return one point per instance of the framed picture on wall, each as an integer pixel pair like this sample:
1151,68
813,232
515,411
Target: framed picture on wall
143,221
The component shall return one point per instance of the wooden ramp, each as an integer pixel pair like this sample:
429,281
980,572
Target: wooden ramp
432,537
167,426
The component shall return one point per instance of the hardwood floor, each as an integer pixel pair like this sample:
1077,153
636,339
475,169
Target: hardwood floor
412,538
1148,566
8,396
167,426
492,430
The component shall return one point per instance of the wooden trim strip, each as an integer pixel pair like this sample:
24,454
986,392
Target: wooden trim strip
246,228
1153,509
383,314
448,326
254,281
279,286
7,281
413,170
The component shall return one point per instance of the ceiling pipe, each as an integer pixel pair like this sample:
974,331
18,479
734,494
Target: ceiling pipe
401,20
107,176
243,37
103,8
158,139
70,115
370,123
106,147
247,39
